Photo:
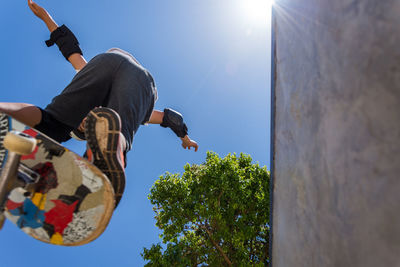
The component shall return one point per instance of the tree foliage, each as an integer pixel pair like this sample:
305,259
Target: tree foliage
214,214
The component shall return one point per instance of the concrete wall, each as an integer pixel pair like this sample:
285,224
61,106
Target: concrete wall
336,133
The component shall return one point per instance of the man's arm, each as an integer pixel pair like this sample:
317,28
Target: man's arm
76,59
157,117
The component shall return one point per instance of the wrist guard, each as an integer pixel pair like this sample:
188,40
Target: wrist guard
65,40
174,120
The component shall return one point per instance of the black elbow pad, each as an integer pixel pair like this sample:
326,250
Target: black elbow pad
65,40
174,120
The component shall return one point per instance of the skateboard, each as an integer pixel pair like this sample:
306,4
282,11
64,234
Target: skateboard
48,191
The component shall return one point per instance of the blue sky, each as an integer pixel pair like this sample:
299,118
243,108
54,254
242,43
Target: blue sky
211,62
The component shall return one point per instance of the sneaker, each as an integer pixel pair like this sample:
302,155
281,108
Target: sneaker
105,146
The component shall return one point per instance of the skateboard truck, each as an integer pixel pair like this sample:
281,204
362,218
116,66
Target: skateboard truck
26,175
17,144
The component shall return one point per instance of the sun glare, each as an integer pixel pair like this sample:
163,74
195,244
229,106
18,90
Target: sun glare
256,11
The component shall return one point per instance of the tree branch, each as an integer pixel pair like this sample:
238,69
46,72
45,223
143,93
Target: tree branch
227,260
219,197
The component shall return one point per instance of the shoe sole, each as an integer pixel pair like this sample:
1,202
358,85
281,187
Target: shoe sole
106,158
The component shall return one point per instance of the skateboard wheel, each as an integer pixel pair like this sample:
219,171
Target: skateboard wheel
19,143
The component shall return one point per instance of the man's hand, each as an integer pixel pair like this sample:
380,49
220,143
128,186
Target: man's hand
42,14
187,143
39,11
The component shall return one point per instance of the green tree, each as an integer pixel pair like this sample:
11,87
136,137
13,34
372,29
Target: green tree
214,214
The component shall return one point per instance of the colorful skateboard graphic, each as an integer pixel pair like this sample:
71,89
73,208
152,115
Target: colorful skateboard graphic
55,196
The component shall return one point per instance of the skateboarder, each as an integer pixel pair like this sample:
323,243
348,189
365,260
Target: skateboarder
105,103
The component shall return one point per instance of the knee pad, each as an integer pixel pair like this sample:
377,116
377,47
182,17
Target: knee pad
53,128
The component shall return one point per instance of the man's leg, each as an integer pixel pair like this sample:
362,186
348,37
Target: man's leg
25,113
88,89
37,118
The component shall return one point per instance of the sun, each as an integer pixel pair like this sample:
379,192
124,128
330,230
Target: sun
256,11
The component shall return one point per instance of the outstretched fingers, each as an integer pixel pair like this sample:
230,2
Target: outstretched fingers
31,6
39,11
190,145
196,147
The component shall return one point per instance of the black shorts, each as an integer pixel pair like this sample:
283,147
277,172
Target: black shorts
109,80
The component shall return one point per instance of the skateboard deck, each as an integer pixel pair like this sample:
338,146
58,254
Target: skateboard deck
57,196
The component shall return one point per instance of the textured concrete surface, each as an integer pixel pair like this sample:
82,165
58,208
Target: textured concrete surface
336,164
